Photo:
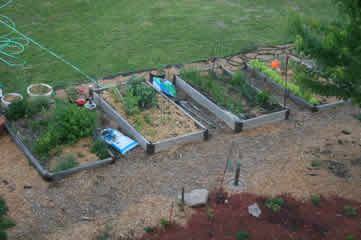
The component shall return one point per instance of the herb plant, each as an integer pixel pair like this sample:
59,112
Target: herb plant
99,147
274,203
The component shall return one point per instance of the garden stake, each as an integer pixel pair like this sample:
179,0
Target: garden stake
238,169
182,195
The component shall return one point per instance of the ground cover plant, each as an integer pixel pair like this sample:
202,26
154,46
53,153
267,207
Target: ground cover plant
148,111
5,222
85,33
234,94
56,133
291,219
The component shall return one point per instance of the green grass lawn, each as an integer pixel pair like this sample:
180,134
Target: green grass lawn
106,37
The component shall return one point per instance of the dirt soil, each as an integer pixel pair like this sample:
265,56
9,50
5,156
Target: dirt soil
11,98
139,189
166,119
40,90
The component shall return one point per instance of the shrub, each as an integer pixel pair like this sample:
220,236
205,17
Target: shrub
100,148
242,235
164,223
66,125
5,223
16,110
148,229
316,200
146,96
65,163
349,211
274,204
262,67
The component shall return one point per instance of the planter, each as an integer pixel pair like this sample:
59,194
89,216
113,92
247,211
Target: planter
39,90
296,98
11,97
164,138
235,122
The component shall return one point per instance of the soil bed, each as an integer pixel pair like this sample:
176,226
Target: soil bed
157,123
39,90
11,98
294,220
217,87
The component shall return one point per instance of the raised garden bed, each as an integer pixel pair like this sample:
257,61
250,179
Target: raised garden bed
305,98
58,139
157,124
231,99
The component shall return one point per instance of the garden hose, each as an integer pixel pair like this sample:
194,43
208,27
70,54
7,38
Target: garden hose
11,47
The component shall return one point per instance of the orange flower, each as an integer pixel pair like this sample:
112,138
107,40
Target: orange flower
275,64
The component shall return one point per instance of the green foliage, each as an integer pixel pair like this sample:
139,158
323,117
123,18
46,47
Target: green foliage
66,125
65,163
316,200
5,223
335,49
16,110
349,211
242,235
164,223
37,105
147,119
298,91
131,105
263,98
148,229
350,237
274,204
146,96
72,93
99,147
105,235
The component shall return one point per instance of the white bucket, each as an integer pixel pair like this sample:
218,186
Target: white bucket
6,103
48,94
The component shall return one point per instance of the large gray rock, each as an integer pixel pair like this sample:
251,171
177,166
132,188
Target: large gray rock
195,198
254,210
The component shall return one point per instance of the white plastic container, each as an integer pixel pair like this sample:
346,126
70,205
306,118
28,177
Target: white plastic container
32,95
6,103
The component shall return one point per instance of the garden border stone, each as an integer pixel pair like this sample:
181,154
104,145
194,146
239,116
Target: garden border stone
46,175
148,146
232,121
296,99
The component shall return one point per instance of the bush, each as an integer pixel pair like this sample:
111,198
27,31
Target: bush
100,148
242,235
5,223
349,211
262,67
65,163
316,200
66,125
16,110
274,204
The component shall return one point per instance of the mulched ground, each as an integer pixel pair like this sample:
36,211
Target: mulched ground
295,220
276,159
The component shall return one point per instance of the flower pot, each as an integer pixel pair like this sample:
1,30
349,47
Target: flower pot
39,90
10,97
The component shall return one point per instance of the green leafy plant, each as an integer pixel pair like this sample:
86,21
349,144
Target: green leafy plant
99,147
242,235
274,203
65,163
36,105
350,237
16,110
148,229
298,91
72,94
349,211
5,223
164,223
115,95
131,105
105,235
146,96
263,98
316,200
66,125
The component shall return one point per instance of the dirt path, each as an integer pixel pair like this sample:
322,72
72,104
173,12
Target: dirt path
138,189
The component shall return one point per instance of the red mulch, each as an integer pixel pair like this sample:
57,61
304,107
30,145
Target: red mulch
302,221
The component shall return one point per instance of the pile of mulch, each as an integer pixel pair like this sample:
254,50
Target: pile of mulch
295,220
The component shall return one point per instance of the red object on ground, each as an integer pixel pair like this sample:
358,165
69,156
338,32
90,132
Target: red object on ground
81,90
300,220
275,64
80,101
2,123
